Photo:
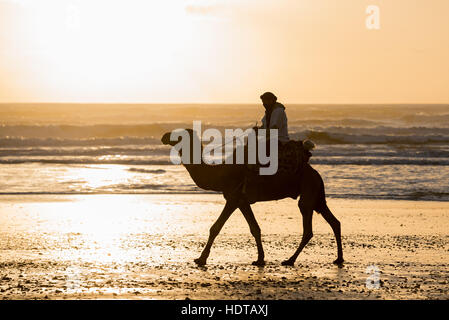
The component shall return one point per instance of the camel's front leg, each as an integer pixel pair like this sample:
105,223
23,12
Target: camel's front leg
215,230
255,231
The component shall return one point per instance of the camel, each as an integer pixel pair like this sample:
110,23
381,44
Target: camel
228,180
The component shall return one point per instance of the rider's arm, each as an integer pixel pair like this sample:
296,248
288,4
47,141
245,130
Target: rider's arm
278,119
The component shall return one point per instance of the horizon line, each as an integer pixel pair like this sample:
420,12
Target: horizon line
228,103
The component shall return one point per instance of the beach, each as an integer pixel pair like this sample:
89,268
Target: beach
142,247
91,207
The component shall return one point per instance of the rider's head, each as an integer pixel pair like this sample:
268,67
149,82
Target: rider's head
268,99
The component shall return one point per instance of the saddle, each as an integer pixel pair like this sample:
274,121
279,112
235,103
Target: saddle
292,155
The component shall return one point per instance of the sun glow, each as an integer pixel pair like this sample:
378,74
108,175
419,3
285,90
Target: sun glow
104,176
214,51
104,50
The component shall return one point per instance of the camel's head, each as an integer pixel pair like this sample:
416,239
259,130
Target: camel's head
186,137
166,137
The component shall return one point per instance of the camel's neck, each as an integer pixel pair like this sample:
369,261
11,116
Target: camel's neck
206,176
219,177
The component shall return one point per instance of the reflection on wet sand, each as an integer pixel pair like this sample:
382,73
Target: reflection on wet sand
143,246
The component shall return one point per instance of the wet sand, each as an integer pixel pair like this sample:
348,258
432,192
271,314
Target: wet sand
143,246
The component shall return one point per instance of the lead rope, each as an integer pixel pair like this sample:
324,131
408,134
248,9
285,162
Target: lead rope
238,137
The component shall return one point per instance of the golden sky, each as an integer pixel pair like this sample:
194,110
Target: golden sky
212,51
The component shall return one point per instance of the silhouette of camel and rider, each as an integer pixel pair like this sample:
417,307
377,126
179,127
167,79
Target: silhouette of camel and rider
241,190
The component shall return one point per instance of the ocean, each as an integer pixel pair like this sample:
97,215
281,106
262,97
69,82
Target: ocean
363,151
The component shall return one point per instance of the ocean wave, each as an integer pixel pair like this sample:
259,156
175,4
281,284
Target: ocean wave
321,137
324,137
154,171
413,196
349,122
385,152
375,131
86,161
323,130
93,151
88,131
427,195
421,117
14,142
322,159
374,161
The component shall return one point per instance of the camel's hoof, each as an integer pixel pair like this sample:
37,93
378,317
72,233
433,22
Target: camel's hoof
200,262
288,263
339,261
259,263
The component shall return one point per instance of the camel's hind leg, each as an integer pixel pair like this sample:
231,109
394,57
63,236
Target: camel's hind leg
255,231
335,224
306,211
215,230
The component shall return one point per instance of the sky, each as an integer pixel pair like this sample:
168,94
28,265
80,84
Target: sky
223,51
